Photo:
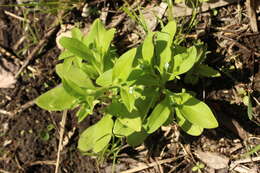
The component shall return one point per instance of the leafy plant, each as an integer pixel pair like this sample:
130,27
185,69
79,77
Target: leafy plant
131,88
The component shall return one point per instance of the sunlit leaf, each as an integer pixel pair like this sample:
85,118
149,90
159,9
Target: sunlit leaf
184,61
128,98
105,79
196,111
159,115
123,65
56,99
76,47
121,130
97,136
148,48
75,75
188,127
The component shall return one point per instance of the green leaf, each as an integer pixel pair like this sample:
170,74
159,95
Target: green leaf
96,34
128,98
74,90
83,112
76,33
121,130
97,136
206,71
65,54
249,108
56,99
106,40
158,116
163,51
186,126
90,71
74,74
148,48
76,47
196,111
143,105
163,46
183,62
170,28
253,150
137,138
129,119
123,65
105,79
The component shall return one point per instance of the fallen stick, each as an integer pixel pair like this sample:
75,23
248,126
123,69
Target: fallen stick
180,10
145,166
62,130
246,160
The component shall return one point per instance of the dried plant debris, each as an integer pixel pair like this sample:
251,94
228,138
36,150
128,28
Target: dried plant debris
213,160
7,79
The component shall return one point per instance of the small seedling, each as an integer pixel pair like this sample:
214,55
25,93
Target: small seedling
198,167
131,88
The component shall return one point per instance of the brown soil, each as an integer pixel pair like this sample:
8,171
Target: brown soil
235,51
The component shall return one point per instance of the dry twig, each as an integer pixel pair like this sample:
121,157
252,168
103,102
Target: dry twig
145,166
62,129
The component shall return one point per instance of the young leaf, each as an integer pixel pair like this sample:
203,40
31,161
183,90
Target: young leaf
65,54
106,40
121,130
184,62
148,48
163,45
97,136
131,120
128,98
163,51
90,71
105,79
206,71
159,115
76,33
56,99
196,111
96,33
137,138
83,112
170,28
123,65
186,126
143,105
74,74
77,48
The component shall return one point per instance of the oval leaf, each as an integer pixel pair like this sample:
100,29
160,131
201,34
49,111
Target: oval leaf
74,74
97,136
159,115
123,65
197,112
148,48
76,47
105,79
186,126
121,130
56,99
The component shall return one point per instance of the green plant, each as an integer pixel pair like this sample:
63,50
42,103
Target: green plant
198,167
131,88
